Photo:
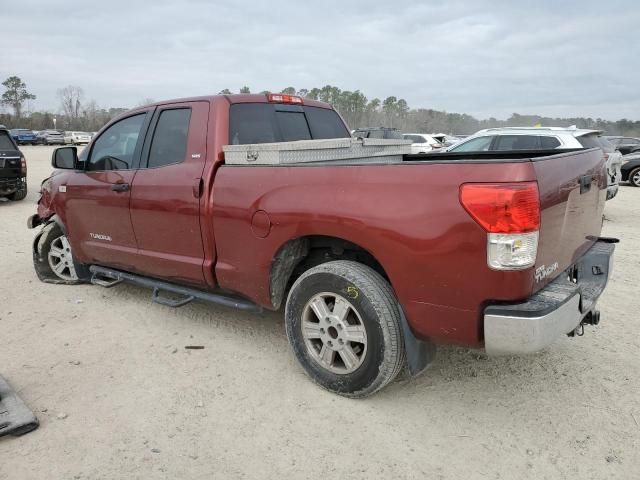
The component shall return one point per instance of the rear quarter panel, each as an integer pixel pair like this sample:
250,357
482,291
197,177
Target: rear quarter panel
407,216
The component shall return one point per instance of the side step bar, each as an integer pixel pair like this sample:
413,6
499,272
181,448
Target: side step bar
108,277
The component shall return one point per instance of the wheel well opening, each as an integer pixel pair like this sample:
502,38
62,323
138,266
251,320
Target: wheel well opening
299,255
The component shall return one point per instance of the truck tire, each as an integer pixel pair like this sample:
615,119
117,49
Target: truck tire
21,193
343,324
634,177
52,257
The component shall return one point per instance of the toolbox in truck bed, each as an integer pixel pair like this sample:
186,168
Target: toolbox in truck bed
317,151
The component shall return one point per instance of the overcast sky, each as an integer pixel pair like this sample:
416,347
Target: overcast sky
486,58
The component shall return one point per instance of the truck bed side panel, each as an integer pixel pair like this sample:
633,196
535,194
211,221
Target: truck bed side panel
407,216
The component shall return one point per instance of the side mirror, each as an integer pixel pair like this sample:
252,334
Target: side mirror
65,157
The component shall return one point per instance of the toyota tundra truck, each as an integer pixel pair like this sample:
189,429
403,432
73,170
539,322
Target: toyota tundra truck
375,260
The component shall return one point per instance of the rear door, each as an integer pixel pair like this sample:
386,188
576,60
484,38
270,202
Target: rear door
165,195
97,198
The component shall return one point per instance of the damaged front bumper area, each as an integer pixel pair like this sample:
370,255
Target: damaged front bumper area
559,308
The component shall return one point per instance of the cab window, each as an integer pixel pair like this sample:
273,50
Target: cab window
115,147
169,144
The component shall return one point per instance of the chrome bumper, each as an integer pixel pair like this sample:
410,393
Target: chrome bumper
557,309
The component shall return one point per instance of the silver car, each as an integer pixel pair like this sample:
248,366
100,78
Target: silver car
545,138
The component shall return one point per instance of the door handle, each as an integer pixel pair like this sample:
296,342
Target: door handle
198,188
120,187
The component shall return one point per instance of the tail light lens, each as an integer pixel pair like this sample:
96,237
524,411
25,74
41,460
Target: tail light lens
510,214
23,166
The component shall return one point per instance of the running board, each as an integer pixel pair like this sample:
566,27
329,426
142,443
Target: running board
15,417
108,277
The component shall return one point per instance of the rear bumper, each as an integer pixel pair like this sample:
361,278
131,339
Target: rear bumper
9,185
557,309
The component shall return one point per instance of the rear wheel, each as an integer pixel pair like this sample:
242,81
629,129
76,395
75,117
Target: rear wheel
21,193
53,258
634,177
343,323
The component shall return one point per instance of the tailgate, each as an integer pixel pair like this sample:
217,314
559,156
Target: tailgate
573,190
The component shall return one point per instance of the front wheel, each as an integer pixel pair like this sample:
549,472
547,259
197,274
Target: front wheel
343,324
52,256
634,177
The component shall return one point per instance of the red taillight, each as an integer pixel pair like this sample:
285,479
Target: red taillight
503,207
282,98
23,167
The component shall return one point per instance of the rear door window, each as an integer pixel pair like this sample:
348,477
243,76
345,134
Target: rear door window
549,143
516,142
169,144
267,122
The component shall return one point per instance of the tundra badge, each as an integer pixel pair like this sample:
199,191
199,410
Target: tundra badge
100,236
543,271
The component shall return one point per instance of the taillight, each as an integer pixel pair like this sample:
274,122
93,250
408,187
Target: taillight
23,166
503,207
510,214
283,98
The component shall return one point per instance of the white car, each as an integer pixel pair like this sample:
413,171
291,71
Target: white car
422,142
77,138
545,138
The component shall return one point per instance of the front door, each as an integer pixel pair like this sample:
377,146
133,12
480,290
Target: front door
97,198
165,194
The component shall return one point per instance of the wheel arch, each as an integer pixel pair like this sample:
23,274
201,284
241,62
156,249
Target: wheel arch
299,254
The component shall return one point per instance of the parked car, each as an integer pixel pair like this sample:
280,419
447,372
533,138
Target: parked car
375,259
631,169
378,132
422,143
625,145
544,138
50,137
13,168
446,140
23,136
76,138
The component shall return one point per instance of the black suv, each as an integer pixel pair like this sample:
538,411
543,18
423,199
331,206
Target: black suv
625,145
13,168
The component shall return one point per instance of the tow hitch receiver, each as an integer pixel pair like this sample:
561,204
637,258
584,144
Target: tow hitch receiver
592,318
15,417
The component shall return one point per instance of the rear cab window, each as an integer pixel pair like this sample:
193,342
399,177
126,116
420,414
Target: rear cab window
268,122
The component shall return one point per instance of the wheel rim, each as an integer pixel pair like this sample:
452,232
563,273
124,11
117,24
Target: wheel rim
334,333
636,178
61,260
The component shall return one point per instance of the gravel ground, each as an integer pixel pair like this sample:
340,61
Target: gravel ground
119,396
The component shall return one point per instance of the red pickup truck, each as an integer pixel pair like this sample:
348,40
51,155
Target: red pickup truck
375,261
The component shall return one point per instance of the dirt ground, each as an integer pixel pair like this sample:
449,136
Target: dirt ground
119,396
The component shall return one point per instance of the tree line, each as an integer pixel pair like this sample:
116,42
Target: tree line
78,113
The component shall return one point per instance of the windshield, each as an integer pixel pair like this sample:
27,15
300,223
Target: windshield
268,122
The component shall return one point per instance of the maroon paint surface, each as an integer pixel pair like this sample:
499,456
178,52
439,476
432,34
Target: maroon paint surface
407,216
